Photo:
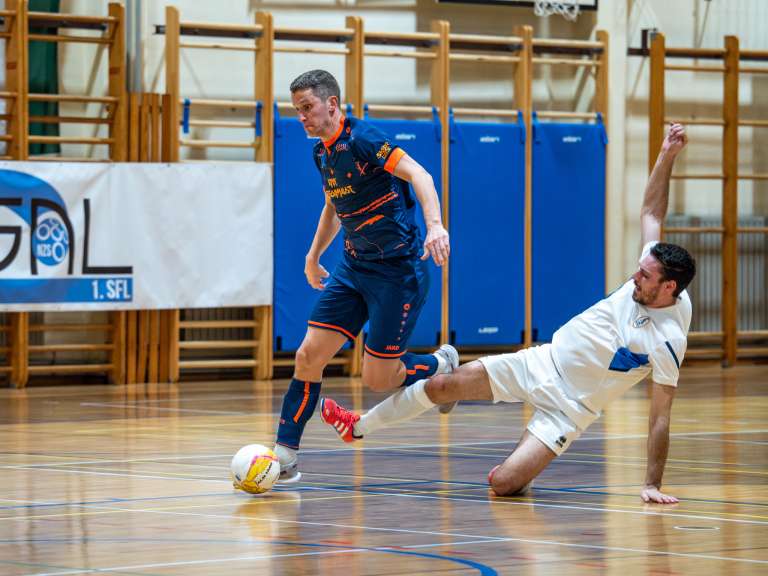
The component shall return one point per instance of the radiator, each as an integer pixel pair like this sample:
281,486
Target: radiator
707,287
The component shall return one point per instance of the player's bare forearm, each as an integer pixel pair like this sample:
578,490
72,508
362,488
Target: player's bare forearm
658,448
327,227
656,199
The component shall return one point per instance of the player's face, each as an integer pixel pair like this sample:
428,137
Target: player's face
650,289
315,114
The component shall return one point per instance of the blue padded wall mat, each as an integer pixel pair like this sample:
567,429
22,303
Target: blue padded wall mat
568,222
298,202
421,140
487,290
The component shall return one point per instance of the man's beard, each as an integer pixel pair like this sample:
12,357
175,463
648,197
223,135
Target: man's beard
645,298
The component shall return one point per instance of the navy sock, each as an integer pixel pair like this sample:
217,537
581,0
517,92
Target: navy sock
418,367
298,406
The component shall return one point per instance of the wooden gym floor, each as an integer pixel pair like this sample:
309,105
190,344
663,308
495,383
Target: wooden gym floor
134,480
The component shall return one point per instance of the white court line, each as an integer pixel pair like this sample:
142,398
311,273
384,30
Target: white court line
483,540
161,409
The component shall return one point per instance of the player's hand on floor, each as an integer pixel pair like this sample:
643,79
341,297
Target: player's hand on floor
315,274
437,245
653,494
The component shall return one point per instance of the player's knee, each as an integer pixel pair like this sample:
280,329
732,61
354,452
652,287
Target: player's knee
307,359
378,382
441,388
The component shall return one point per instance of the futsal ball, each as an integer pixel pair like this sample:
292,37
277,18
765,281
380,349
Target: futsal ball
255,469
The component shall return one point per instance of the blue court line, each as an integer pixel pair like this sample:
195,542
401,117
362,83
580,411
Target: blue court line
483,569
110,501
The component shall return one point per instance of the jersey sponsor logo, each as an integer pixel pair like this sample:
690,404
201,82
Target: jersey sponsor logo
641,321
392,347
340,192
489,139
361,167
342,147
571,139
384,151
561,441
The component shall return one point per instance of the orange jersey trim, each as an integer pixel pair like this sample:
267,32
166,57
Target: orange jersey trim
380,201
303,402
371,220
346,333
380,355
329,143
393,160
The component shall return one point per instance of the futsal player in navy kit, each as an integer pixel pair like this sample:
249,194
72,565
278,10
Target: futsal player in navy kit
383,276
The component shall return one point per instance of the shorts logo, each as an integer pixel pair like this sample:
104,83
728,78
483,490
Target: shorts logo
392,347
561,441
641,321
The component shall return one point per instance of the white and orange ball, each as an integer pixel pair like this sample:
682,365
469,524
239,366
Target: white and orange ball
255,469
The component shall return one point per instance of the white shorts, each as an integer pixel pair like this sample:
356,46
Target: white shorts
530,376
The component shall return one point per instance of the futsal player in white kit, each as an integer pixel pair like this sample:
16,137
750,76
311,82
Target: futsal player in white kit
639,330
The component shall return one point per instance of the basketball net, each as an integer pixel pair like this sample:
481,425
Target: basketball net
568,9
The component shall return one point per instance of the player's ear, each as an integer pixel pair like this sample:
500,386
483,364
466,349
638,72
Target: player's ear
333,104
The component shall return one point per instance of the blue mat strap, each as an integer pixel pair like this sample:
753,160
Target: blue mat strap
185,116
365,111
257,119
603,133
349,110
276,120
453,128
438,126
534,124
521,123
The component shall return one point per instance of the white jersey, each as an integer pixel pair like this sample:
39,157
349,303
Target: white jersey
616,343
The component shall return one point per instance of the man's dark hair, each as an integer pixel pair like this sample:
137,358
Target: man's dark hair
676,264
322,83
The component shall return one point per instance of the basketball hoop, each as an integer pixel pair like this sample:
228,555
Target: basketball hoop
568,9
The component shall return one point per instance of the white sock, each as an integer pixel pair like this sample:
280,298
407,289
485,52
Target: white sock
403,405
284,454
442,364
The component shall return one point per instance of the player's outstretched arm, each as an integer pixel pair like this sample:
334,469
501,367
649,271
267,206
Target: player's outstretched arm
657,190
436,243
327,227
658,444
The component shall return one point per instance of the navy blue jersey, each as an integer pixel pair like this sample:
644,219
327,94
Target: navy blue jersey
375,208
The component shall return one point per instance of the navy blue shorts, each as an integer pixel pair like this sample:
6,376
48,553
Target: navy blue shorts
389,293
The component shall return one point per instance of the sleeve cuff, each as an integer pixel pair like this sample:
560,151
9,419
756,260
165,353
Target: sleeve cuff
394,158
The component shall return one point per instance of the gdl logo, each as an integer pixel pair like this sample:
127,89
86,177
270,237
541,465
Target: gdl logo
52,243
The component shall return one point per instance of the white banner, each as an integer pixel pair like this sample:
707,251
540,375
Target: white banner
87,236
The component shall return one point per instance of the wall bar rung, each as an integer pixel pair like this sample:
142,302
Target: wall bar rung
752,70
62,38
694,230
571,115
392,108
489,58
218,144
70,368
71,98
208,324
754,123
753,177
69,120
485,112
62,20
394,54
314,34
221,124
753,230
697,177
567,62
221,103
679,68
69,140
327,51
422,39
697,121
214,46
70,348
